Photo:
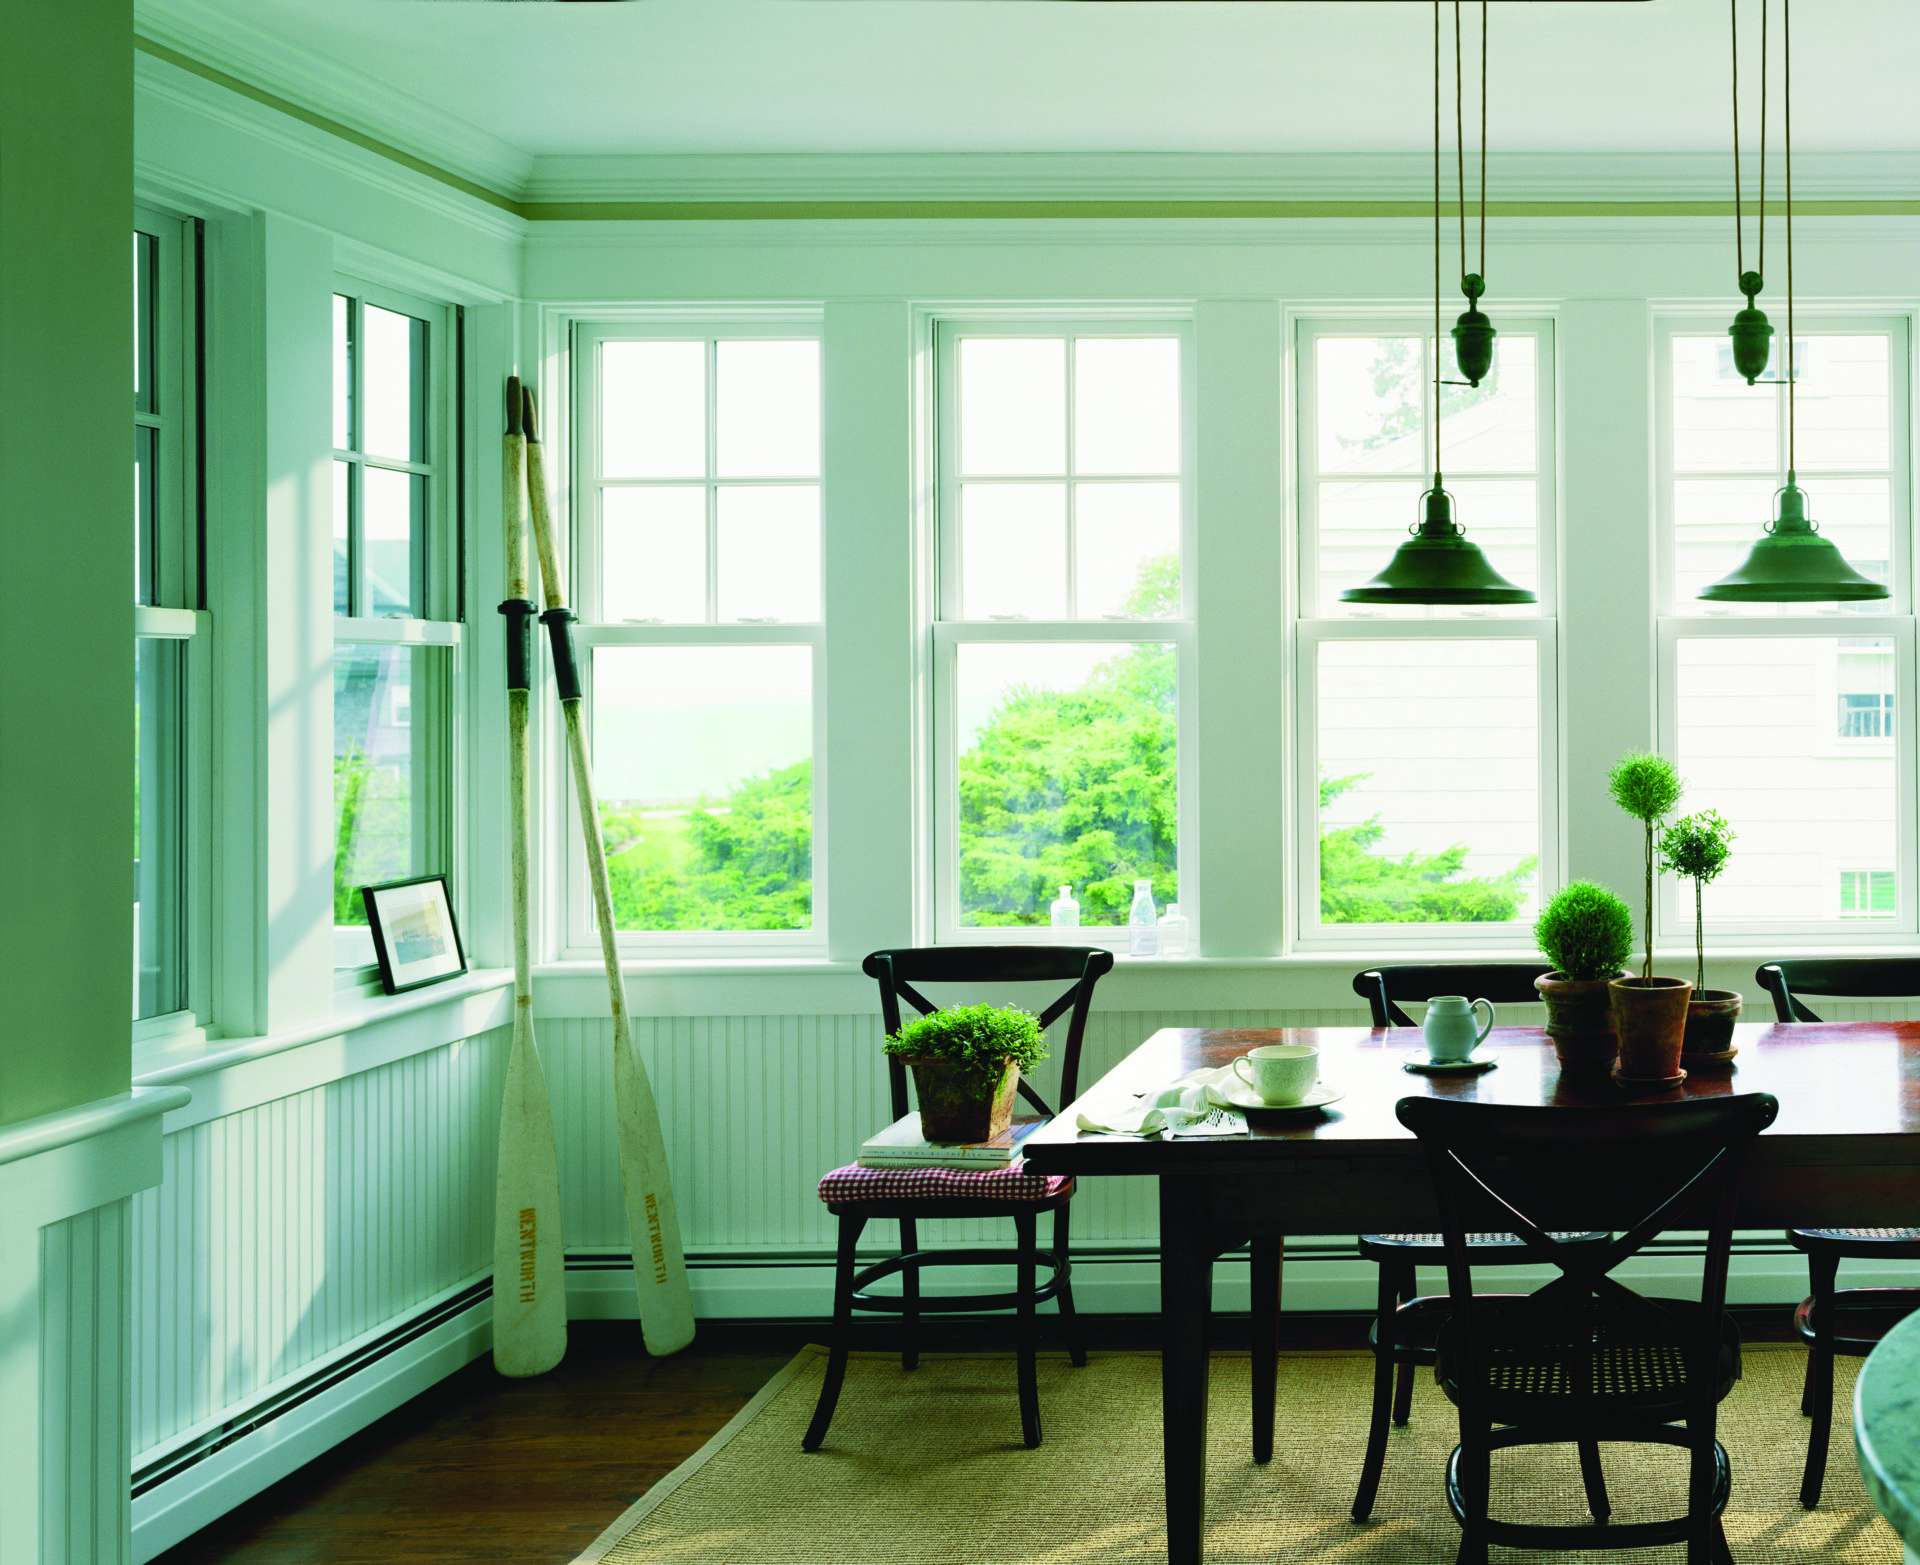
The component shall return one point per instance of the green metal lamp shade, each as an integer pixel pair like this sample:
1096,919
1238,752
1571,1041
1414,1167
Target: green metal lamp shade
1438,565
1794,564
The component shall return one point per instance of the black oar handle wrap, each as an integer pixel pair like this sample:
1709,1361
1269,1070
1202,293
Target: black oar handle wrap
520,614
566,667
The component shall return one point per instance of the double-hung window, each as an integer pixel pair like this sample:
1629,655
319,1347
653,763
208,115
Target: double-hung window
170,644
1427,786
1064,633
1790,719
698,580
396,598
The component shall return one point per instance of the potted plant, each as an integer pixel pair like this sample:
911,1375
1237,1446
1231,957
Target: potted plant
1696,846
1650,1012
1586,931
966,1064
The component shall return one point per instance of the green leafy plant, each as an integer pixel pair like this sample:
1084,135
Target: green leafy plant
1586,931
1647,787
1697,846
977,1037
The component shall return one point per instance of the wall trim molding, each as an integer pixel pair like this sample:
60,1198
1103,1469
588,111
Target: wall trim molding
65,1127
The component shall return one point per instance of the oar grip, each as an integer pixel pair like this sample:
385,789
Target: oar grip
520,614
566,667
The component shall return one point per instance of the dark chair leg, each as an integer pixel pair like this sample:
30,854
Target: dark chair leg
1264,1259
1405,1286
910,1298
1069,1320
1025,1225
1824,1270
1387,1294
1806,1389
1475,1470
1594,1480
1706,1539
1722,1554
850,1227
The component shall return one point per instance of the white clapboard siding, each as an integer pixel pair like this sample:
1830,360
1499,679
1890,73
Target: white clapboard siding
283,1232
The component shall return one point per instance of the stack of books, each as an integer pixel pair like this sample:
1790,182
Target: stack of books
901,1145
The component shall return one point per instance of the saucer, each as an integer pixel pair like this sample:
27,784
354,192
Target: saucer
1241,1096
1423,1065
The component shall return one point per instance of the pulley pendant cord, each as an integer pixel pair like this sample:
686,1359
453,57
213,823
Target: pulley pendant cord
1786,114
1459,136
1739,219
1483,138
1436,244
1763,138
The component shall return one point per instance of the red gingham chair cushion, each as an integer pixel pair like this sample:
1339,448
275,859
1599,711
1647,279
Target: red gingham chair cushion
1012,1183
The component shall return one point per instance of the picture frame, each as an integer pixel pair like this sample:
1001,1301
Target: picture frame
415,935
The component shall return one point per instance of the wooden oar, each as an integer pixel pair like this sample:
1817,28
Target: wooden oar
653,1222
529,1279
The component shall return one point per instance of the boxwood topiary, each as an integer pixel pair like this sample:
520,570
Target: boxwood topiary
1586,931
978,1037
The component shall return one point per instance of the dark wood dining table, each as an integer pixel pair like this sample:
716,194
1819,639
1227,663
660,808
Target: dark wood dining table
1845,1150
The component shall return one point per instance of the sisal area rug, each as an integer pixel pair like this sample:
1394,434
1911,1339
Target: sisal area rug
927,1469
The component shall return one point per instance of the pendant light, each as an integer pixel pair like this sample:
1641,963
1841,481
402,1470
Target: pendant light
1792,563
1437,564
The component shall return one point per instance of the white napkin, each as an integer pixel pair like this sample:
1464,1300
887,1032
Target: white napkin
1195,1104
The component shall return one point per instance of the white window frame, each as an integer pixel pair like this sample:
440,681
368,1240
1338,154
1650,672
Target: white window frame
174,615
581,941
437,710
1311,632
1689,619
948,632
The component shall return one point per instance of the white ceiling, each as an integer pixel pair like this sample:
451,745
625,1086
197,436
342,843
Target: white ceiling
1145,76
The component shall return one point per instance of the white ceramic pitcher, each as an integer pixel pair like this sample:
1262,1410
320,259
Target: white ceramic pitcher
1449,1027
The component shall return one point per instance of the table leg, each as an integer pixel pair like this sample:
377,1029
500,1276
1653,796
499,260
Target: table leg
1186,1299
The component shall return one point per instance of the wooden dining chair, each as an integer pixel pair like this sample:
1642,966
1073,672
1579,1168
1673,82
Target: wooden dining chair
1406,1324
1586,1359
856,1195
1830,1319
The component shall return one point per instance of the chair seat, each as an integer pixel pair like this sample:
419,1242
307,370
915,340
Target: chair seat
1544,1362
1489,1247
1858,1242
1013,1183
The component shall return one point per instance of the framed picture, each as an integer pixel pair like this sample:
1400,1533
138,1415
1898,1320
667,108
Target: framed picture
414,934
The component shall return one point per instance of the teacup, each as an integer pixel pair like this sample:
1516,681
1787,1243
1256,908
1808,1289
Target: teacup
1449,1028
1280,1073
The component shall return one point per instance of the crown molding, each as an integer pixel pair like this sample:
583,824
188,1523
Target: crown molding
322,85
1187,177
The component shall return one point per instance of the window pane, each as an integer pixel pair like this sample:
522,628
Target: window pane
653,555
1126,405
1126,549
393,521
343,537
1066,777
1013,405
1761,739
379,786
342,372
769,552
1842,404
1013,551
146,258
393,382
1370,403
159,922
146,543
1720,423
1717,521
1489,428
1429,781
768,409
653,409
704,758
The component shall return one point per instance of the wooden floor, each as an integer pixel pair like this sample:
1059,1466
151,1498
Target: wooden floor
482,1469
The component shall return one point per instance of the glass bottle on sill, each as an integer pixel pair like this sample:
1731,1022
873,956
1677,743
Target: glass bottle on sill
1143,934
1065,912
1173,931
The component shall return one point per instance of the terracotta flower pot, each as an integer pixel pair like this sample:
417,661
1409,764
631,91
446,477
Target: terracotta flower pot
1651,1014
1579,1020
958,1104
1711,1014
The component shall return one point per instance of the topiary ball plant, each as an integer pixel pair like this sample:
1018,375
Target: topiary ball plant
1586,931
1697,847
1646,787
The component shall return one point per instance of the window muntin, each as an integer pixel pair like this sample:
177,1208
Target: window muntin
1426,795
395,595
1868,893
1064,641
698,463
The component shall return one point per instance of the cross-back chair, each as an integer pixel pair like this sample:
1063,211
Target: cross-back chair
857,1195
1585,1358
1831,1319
